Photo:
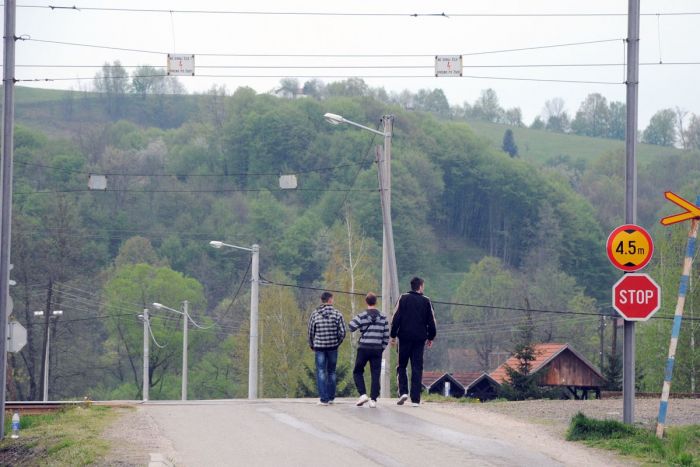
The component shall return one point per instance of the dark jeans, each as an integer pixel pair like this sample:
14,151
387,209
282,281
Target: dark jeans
374,357
326,361
413,350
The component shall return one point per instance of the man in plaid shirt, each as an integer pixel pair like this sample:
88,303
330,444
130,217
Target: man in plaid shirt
326,333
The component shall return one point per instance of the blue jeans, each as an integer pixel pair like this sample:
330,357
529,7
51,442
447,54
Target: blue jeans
326,361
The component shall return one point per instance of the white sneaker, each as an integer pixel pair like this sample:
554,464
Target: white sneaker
321,403
361,401
415,404
331,402
402,399
372,404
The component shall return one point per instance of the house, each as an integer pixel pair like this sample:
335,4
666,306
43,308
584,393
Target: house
477,385
429,377
559,365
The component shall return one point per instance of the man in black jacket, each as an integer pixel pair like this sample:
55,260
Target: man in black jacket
413,324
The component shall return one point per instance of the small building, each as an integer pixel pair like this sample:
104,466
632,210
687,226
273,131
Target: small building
477,385
429,377
559,365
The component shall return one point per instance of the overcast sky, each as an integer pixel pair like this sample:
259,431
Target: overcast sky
666,38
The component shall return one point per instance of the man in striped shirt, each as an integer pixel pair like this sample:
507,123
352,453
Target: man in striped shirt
374,337
326,333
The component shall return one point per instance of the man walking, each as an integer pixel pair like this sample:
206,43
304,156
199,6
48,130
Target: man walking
374,337
326,333
413,324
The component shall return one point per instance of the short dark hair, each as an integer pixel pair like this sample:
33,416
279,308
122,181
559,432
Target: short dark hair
416,282
325,296
371,299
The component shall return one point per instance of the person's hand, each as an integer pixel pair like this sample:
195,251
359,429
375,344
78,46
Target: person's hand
430,344
393,342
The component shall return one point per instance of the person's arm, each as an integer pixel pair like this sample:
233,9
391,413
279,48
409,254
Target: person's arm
385,335
311,330
354,324
341,328
396,321
431,326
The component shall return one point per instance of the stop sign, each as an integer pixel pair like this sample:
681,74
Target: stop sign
636,297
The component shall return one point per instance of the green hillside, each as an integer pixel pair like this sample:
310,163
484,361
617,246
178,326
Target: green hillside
541,145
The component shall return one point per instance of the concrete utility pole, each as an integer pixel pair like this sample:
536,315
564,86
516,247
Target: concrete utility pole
146,355
628,390
186,318
53,314
254,300
8,121
253,344
390,282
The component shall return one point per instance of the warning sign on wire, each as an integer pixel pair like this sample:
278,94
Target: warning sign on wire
448,65
180,65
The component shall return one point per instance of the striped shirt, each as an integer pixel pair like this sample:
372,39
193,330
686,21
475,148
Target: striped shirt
326,328
374,329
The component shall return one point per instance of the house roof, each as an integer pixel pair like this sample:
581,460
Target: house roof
464,380
544,353
429,377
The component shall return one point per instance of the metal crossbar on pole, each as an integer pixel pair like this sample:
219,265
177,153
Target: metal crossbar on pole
677,319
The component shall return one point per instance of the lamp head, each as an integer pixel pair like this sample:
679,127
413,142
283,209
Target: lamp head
57,312
333,119
216,244
158,306
38,313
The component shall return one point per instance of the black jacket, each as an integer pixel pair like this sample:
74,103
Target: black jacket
414,318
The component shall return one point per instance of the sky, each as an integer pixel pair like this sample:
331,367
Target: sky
258,49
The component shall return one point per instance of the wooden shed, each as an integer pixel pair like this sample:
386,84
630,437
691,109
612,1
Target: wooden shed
478,385
559,365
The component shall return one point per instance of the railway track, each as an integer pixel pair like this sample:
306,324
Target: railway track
37,407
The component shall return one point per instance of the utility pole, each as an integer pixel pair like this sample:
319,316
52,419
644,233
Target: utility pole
390,282
601,330
146,355
628,390
186,318
253,344
8,122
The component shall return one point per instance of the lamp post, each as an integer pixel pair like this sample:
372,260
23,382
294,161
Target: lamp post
390,281
53,314
185,318
254,299
146,355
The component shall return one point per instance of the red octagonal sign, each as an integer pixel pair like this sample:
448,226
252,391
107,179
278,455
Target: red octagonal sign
636,297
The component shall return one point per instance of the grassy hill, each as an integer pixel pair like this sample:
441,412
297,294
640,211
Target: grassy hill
540,145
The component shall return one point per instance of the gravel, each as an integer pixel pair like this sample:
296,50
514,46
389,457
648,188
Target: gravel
558,413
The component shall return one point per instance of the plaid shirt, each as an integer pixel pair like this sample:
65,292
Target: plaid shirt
326,328
373,327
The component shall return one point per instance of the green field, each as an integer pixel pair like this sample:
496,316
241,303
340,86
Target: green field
540,145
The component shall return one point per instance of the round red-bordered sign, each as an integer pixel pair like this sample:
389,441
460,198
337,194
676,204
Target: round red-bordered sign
629,247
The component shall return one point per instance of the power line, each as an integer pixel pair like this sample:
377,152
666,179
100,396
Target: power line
329,55
220,190
181,175
354,14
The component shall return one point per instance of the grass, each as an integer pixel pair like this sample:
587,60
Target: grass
439,398
67,437
680,446
540,145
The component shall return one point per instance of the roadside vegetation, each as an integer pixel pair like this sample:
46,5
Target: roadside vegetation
67,437
680,446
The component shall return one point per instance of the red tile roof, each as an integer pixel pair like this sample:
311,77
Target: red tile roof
543,354
429,377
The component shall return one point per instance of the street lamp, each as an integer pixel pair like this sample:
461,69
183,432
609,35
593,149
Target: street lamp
254,298
390,281
53,314
185,318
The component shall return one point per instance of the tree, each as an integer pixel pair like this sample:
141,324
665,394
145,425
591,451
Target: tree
618,120
113,83
662,129
509,145
513,117
433,101
592,117
487,108
537,124
692,135
289,88
522,383
555,116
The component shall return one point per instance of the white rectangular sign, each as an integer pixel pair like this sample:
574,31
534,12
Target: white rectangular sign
181,64
448,65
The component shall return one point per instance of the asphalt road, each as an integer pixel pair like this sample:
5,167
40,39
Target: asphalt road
301,433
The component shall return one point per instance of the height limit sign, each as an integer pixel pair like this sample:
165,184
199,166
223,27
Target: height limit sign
629,247
448,65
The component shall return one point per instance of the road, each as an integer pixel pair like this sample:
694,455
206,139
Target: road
297,432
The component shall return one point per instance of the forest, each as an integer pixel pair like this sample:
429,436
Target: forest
503,241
